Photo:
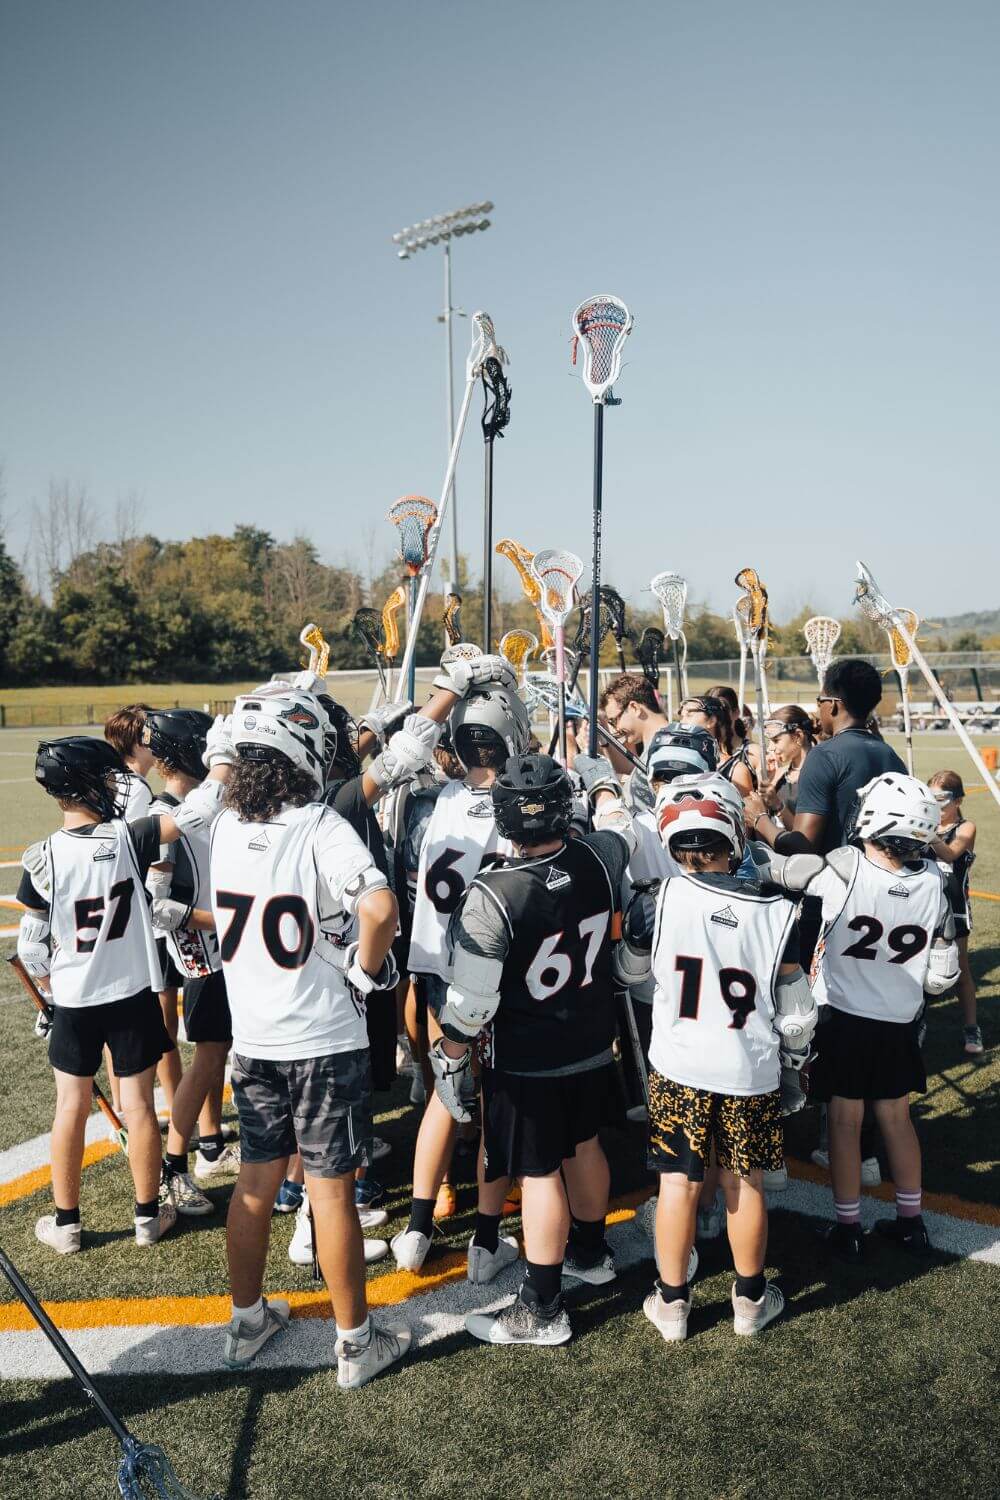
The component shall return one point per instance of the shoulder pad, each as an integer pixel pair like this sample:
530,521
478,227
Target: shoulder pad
35,864
493,862
640,887
843,861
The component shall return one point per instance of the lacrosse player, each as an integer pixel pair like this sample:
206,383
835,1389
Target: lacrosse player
447,848
88,931
123,730
631,710
532,941
714,715
888,935
954,849
732,1020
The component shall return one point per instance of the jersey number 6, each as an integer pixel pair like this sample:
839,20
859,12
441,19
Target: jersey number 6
551,971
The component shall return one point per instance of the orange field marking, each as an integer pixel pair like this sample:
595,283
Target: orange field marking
33,1182
938,1203
985,895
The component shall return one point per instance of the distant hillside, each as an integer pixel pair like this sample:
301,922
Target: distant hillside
984,622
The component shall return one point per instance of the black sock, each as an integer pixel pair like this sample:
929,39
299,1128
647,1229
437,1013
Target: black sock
750,1286
210,1147
67,1216
672,1293
149,1210
175,1162
545,1281
487,1235
586,1236
422,1215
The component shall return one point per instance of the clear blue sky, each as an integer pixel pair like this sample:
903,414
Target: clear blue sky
798,200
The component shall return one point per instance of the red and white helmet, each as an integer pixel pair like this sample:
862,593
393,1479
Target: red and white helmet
896,810
278,718
691,811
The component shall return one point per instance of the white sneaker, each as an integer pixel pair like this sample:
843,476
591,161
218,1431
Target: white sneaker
776,1182
410,1248
750,1317
404,1059
359,1363
226,1164
820,1158
418,1093
483,1265
709,1222
373,1218
64,1239
380,1148
598,1274
300,1250
245,1340
151,1231
671,1318
871,1172
375,1250
179,1189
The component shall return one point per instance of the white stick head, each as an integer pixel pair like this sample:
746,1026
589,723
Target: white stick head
601,325
822,632
741,619
557,573
870,599
672,591
484,345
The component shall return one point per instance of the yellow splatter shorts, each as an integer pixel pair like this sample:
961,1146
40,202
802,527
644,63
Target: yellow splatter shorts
685,1123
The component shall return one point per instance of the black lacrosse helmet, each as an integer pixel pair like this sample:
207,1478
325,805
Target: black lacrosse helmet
84,769
532,800
680,750
176,736
340,743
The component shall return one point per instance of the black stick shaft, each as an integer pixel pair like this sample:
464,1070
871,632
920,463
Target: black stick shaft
488,552
595,596
61,1347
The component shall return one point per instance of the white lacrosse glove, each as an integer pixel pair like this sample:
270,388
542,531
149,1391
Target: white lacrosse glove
360,978
459,677
597,775
382,722
219,743
168,915
409,751
448,1075
43,1024
308,682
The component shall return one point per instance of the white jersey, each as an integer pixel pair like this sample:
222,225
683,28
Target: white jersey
650,861
138,795
103,944
461,834
280,893
716,954
196,954
871,959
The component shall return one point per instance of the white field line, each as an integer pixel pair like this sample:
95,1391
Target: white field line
16,1161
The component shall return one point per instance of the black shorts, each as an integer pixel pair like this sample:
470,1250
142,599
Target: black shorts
380,1019
321,1106
431,994
858,1058
685,1123
132,1030
206,1009
531,1125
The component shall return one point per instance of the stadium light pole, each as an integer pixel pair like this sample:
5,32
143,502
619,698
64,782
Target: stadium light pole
441,230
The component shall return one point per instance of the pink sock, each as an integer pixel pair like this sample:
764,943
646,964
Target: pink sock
848,1213
907,1205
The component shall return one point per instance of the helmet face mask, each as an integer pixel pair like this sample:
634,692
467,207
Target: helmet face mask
176,738
680,750
696,812
492,717
532,800
83,770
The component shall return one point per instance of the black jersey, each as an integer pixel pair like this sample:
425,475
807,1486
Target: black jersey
556,1013
956,880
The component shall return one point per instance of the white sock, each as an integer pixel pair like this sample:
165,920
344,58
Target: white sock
360,1335
252,1314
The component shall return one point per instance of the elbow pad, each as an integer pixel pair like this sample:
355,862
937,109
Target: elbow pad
473,995
200,807
33,944
795,1017
843,862
158,883
632,958
366,882
408,752
942,968
631,966
789,872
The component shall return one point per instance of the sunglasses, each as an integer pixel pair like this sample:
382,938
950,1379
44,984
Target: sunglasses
827,700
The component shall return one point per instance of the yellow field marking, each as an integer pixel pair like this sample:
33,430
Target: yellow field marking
33,1182
10,901
985,895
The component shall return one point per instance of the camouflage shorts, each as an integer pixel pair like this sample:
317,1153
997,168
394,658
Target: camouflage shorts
685,1123
321,1106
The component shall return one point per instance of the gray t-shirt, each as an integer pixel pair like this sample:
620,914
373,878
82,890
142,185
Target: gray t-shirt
833,773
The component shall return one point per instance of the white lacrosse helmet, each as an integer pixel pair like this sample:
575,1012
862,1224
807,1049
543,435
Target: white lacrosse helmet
691,811
898,811
486,714
278,718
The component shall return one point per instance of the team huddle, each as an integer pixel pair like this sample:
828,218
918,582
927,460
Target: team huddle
672,932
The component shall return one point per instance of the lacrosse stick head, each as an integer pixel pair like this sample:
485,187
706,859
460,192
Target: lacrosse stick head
518,554
390,630
741,619
601,325
517,646
822,632
870,599
366,629
414,515
672,591
453,619
541,694
649,652
899,648
557,572
496,399
144,1471
614,604
461,651
311,637
484,345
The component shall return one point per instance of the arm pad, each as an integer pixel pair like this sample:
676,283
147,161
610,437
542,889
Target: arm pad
408,752
632,957
33,944
473,995
942,967
789,872
614,817
795,1017
200,807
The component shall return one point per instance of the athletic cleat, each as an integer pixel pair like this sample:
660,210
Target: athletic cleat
483,1265
671,1318
64,1239
598,1272
821,1158
750,1317
906,1234
245,1340
418,1090
379,1148
372,1218
446,1203
226,1164
776,1182
289,1199
179,1189
359,1363
375,1250
972,1041
150,1231
845,1241
300,1248
368,1192
871,1172
410,1248
709,1222
523,1321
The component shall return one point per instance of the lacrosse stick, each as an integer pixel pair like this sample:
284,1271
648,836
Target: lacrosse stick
44,1006
672,591
613,602
311,637
453,619
822,633
541,691
366,629
899,651
874,604
557,573
577,654
484,346
517,646
649,654
518,554
390,630
756,620
496,415
414,516
601,325
741,615
143,1469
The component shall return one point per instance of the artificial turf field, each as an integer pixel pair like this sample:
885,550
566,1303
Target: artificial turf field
877,1381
